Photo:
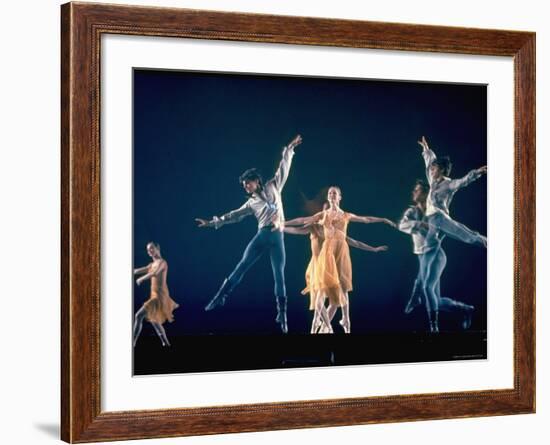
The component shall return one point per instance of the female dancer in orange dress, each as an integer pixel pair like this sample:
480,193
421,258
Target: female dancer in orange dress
317,298
159,307
333,274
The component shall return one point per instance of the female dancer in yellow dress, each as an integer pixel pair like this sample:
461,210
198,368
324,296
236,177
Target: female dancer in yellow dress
333,274
159,307
317,298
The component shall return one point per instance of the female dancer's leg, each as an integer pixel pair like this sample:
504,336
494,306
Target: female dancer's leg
345,322
321,318
159,329
138,323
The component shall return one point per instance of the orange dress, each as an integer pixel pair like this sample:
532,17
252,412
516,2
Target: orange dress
159,306
333,268
316,239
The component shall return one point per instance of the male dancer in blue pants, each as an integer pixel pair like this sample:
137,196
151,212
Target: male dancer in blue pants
432,261
266,205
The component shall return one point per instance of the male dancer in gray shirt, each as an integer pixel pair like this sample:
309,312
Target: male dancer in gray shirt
266,205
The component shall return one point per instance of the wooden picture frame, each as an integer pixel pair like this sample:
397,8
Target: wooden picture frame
82,25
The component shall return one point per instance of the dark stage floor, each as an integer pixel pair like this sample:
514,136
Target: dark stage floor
235,352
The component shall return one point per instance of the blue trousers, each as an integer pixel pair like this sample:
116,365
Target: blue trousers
431,267
264,241
444,223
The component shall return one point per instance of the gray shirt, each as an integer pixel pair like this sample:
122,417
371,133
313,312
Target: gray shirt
266,205
442,191
424,240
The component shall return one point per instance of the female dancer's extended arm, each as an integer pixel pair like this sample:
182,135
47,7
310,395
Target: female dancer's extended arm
304,220
363,246
370,219
297,230
156,269
141,270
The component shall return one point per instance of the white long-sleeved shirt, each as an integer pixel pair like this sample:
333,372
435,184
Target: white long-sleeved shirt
267,204
442,191
424,240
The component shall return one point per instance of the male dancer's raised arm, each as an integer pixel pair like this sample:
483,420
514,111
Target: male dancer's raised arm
429,156
281,174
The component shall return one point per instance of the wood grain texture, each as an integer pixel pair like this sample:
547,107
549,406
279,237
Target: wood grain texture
82,27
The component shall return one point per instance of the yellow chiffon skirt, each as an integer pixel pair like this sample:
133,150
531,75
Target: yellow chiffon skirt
159,308
333,276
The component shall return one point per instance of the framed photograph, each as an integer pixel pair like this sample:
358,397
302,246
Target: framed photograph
274,222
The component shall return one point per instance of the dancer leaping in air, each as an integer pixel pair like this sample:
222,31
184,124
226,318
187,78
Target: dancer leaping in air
442,190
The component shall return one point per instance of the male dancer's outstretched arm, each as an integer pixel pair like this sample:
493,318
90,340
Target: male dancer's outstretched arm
409,224
231,217
437,204
455,184
466,180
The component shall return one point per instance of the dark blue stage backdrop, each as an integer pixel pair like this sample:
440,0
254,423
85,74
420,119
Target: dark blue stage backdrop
195,133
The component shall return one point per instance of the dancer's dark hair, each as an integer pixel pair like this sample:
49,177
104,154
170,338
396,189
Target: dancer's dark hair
444,163
423,185
252,174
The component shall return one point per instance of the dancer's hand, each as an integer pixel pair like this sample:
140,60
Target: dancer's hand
139,281
482,170
295,142
380,249
423,143
202,222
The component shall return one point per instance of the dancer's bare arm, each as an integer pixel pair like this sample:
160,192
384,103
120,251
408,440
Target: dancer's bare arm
297,230
371,219
141,270
304,220
156,269
359,245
